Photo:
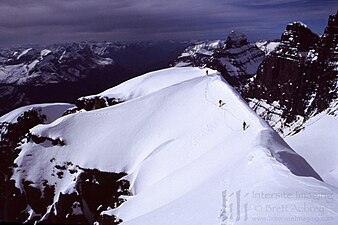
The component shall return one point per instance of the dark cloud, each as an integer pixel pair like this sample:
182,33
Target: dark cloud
48,21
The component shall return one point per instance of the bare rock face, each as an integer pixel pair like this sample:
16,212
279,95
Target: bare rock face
13,202
327,51
298,79
297,38
92,103
95,191
236,39
239,59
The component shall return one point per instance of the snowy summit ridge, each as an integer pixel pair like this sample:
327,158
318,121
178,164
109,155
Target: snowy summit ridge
178,146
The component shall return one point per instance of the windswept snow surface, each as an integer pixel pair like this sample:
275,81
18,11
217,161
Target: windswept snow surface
152,82
318,144
51,110
189,159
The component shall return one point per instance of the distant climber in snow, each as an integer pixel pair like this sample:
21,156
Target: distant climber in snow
207,72
245,126
221,103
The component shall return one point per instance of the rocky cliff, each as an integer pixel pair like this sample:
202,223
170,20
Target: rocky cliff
235,58
298,79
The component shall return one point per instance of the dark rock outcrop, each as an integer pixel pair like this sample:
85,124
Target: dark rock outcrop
13,201
95,191
236,40
296,39
298,79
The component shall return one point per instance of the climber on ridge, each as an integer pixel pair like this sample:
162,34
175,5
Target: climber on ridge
245,126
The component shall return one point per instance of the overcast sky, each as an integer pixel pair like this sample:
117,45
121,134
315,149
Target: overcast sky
50,21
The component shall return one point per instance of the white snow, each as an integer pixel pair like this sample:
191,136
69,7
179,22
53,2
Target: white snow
104,61
152,82
205,52
45,52
216,43
183,64
32,64
51,110
318,144
267,46
204,48
12,73
181,151
299,23
185,54
24,52
64,53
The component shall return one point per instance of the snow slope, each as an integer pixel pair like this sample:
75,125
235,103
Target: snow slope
51,110
188,158
318,144
152,82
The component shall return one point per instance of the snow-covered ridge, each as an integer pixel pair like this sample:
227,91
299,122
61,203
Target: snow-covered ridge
24,52
138,87
152,82
52,111
179,145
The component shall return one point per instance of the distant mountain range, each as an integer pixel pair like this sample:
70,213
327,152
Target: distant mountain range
37,74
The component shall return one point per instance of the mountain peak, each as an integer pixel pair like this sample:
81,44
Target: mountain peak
236,39
298,24
298,35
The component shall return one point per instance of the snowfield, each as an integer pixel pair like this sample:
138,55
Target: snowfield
152,82
52,111
194,152
318,144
